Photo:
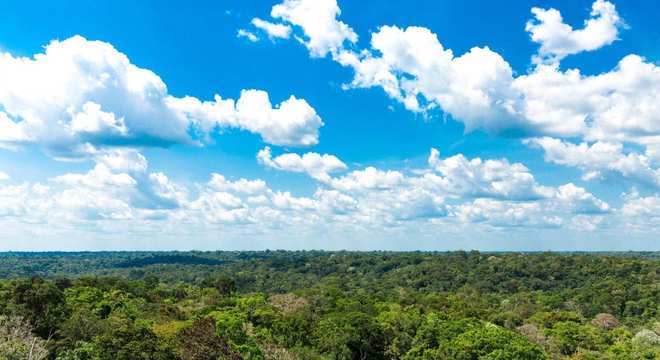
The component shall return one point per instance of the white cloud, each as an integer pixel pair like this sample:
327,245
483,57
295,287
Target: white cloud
3,176
600,159
316,165
274,31
561,209
79,95
414,68
506,214
479,88
293,122
619,105
122,175
323,33
335,202
641,213
120,192
242,33
414,204
93,121
389,196
84,204
118,159
250,187
559,39
642,207
368,179
101,177
483,178
579,201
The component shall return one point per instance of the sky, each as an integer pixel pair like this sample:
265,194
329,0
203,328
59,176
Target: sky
324,124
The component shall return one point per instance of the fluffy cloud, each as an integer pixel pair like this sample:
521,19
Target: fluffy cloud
316,165
565,204
642,207
577,200
495,192
559,39
120,189
368,179
614,114
3,176
274,31
641,213
478,178
506,214
323,33
81,95
479,89
619,105
414,68
292,123
101,177
23,202
249,187
600,159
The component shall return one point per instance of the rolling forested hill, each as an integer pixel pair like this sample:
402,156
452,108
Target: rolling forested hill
329,305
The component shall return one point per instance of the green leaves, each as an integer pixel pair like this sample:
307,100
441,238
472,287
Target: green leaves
348,306
441,337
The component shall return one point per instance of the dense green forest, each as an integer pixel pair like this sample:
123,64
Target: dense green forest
329,305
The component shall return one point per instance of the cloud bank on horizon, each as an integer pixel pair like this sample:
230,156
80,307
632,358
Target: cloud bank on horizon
84,100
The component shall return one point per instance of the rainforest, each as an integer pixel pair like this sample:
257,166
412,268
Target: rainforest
329,305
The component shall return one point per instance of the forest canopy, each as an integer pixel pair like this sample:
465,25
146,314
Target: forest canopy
329,305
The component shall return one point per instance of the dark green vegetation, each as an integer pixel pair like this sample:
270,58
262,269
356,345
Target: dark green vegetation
320,305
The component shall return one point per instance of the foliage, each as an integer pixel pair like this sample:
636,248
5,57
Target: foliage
17,341
329,305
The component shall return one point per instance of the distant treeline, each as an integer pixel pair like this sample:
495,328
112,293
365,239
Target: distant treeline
180,259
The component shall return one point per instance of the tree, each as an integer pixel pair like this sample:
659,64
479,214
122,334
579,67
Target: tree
17,341
41,303
201,342
126,340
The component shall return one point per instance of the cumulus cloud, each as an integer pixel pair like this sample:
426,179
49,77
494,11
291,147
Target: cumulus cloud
559,39
323,33
479,88
483,178
413,67
579,201
493,192
641,213
120,189
561,208
251,187
316,165
368,179
506,214
274,31
642,207
600,159
121,176
80,95
292,123
3,176
100,177
619,105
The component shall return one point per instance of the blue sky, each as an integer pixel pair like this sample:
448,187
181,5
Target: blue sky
516,125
